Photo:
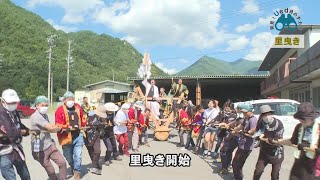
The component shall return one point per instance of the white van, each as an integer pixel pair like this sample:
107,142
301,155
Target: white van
284,109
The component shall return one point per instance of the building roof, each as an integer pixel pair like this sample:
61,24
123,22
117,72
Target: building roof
201,77
275,54
110,81
110,91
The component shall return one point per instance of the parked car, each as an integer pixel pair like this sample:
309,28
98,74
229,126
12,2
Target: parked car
284,109
24,108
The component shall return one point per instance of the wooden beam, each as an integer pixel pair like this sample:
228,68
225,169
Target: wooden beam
198,93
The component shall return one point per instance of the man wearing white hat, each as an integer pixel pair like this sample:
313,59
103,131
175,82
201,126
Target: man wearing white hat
120,130
12,130
109,137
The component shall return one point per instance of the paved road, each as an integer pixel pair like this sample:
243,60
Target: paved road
200,169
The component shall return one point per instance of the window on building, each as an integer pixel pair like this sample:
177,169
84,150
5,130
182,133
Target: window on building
308,96
301,94
112,97
316,97
121,98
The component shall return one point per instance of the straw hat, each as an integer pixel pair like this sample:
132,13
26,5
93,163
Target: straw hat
101,111
111,107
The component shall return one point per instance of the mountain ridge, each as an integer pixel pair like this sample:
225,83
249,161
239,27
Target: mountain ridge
212,66
23,43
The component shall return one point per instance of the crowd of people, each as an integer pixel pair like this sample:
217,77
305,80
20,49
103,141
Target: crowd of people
237,128
211,132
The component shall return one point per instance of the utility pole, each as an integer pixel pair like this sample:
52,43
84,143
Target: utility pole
112,75
51,93
69,60
50,40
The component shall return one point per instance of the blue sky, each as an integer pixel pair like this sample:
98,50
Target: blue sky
176,33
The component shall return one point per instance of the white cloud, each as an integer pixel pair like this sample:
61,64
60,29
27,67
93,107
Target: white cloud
246,27
166,70
75,10
148,22
183,61
260,45
60,27
249,7
238,43
296,9
262,21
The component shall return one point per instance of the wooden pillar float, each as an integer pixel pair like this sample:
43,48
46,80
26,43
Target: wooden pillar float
198,93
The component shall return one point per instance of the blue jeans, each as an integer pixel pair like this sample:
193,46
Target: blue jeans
8,172
73,152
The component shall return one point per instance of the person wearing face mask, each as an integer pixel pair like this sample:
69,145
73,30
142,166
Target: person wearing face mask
305,135
12,130
97,122
230,141
42,146
246,143
272,129
70,116
109,138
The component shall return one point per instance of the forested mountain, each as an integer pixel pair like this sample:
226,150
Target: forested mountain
24,66
212,66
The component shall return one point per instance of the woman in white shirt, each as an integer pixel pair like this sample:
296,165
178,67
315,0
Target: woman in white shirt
209,119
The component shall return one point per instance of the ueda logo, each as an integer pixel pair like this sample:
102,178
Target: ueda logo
285,18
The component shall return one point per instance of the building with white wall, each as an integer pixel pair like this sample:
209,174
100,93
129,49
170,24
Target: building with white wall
295,72
103,92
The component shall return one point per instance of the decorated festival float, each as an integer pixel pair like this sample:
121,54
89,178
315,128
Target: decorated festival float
159,126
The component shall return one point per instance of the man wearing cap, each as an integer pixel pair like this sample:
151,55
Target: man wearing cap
272,129
96,120
109,137
305,135
246,143
70,116
120,129
12,130
43,147
152,94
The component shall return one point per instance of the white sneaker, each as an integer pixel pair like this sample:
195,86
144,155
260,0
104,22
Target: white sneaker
209,153
183,149
205,152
